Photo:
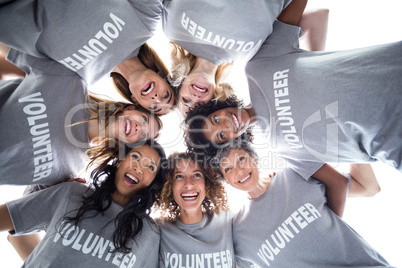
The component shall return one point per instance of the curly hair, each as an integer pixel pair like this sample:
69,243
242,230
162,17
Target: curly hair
151,60
182,64
129,222
215,198
223,152
193,135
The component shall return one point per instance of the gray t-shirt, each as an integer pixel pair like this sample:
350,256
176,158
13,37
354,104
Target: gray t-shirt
208,243
342,106
89,37
220,31
85,245
290,225
38,145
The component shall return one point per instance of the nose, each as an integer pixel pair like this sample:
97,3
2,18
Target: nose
188,181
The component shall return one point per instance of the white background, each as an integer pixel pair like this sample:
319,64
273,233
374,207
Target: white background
352,24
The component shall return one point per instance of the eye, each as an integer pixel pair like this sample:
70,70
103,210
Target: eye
166,95
222,136
241,158
185,100
143,136
135,157
151,167
227,169
198,175
177,177
215,118
145,119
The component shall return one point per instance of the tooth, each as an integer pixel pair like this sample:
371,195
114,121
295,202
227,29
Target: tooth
244,179
132,178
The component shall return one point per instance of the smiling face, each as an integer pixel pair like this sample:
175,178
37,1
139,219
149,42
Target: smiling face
196,88
152,92
225,125
188,186
132,126
135,172
240,170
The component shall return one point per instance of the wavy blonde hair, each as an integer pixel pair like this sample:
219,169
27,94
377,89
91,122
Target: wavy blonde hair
182,64
215,195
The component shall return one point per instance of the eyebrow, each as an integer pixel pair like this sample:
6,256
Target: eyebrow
152,162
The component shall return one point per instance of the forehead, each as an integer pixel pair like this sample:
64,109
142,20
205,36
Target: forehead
147,152
186,165
233,155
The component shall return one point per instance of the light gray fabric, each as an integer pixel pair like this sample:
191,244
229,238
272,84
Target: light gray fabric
89,244
342,106
89,37
290,225
208,243
38,145
220,31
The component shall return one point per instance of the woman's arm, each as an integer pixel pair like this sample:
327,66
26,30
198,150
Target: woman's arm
292,14
364,181
314,24
7,69
337,187
6,224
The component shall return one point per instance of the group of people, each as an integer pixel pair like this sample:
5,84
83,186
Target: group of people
142,208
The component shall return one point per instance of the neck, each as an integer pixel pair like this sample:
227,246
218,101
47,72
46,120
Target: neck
129,68
191,217
205,67
250,110
262,187
96,131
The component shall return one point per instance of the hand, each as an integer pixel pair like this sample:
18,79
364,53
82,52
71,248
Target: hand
76,179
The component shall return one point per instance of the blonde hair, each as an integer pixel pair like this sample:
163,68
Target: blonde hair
182,64
215,195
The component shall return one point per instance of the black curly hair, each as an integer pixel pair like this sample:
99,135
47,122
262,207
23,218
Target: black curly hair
194,137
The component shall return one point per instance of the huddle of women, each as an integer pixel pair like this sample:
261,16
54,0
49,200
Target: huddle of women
143,208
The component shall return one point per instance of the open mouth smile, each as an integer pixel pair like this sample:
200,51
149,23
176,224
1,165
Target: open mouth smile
199,89
148,89
245,179
189,196
130,179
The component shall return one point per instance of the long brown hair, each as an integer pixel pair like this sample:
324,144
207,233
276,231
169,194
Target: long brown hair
151,60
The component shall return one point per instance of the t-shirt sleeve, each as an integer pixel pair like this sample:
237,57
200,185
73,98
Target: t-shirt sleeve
34,211
20,26
38,66
304,168
284,39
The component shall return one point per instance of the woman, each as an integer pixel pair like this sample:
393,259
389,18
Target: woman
281,83
292,224
105,226
195,232
208,38
202,66
41,140
112,37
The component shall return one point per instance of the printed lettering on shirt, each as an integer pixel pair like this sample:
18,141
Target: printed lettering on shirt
35,109
283,109
96,45
93,245
288,230
221,259
215,39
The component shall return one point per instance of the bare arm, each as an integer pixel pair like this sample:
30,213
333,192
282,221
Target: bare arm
314,24
7,69
293,12
6,223
337,187
364,182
